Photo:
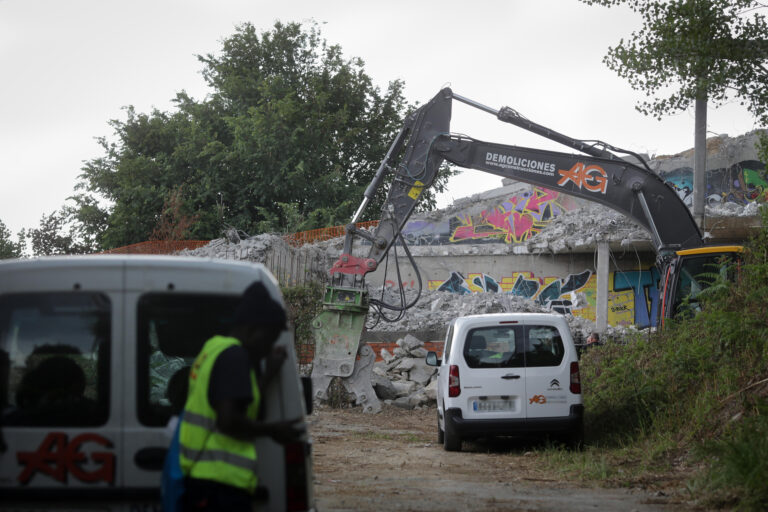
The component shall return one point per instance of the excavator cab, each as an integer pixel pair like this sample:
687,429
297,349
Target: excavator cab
691,272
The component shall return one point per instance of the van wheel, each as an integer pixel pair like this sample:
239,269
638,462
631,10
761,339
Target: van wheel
575,440
440,433
451,439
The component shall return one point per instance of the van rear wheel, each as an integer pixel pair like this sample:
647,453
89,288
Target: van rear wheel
451,438
575,440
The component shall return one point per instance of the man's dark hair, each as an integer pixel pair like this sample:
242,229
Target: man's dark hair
258,308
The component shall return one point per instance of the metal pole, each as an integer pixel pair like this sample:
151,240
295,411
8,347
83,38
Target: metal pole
601,304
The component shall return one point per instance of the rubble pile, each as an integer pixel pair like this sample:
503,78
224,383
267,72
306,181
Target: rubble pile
232,247
435,309
403,378
584,227
729,209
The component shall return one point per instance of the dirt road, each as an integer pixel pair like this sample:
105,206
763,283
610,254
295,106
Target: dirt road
391,461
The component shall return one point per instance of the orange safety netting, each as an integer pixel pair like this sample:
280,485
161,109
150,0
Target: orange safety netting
318,235
295,239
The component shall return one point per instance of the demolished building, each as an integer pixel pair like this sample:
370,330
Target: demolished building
537,244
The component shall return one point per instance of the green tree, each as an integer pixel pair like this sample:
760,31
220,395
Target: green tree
9,248
287,140
689,49
56,235
695,52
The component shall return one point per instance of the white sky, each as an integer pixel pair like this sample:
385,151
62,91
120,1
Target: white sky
68,67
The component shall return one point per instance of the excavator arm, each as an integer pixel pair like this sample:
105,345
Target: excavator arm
602,177
423,144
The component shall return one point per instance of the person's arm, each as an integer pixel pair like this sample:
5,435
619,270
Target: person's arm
232,421
272,364
230,394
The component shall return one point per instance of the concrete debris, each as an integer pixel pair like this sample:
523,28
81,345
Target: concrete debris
408,375
582,228
729,209
435,309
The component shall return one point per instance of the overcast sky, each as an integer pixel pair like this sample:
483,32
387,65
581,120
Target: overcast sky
69,66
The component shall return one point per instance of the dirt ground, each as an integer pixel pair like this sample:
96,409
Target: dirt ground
391,461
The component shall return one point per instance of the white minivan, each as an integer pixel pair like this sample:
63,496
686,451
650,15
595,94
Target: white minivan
508,374
94,354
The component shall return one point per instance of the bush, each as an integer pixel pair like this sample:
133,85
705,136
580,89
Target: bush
303,303
693,379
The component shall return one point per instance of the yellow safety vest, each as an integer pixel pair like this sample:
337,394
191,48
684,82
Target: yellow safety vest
205,452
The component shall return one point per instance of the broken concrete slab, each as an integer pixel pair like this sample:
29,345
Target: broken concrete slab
421,373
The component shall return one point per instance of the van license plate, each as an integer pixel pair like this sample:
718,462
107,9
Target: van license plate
493,405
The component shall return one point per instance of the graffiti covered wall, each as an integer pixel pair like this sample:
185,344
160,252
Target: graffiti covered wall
740,183
633,295
510,219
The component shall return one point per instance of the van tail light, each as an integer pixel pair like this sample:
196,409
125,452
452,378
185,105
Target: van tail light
296,493
454,387
575,379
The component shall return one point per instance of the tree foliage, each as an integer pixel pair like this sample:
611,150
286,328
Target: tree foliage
287,140
9,248
711,49
57,235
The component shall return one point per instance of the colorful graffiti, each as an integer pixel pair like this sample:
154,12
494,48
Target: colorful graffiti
740,183
552,292
513,220
633,296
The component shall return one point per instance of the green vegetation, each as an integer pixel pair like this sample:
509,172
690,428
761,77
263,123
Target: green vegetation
9,248
288,139
303,303
688,405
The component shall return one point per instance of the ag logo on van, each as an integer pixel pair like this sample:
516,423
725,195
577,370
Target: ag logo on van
58,457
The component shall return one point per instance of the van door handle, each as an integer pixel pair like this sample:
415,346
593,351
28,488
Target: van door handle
510,376
150,458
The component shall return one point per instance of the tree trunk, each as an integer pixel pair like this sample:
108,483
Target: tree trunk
700,159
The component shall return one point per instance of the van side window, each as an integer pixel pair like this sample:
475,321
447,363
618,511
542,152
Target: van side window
494,347
54,359
544,346
172,329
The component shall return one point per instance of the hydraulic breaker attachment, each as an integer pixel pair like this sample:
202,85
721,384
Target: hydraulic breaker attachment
338,352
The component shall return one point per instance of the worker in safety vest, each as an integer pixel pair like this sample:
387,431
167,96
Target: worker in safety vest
220,421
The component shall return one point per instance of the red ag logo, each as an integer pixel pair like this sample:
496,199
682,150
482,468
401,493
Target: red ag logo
56,458
591,177
537,399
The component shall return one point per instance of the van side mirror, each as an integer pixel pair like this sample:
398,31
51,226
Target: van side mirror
432,359
306,387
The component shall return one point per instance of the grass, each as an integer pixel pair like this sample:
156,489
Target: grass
688,405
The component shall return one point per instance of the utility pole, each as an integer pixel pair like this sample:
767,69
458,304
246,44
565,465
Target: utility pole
700,157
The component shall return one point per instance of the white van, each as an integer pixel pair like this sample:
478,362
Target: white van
508,374
94,352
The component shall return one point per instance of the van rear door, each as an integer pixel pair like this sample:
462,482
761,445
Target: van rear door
547,370
492,373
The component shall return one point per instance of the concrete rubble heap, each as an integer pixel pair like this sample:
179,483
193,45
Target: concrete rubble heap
435,309
403,378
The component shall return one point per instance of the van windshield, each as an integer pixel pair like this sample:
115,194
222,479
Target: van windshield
54,359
